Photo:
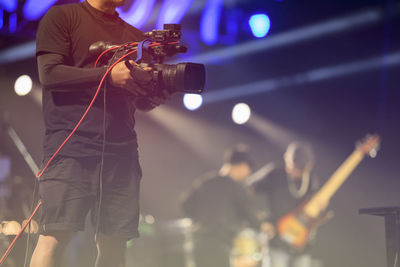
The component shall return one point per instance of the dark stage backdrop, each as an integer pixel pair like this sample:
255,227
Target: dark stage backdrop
177,145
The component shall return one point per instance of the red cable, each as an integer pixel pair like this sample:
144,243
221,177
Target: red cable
112,48
40,172
20,232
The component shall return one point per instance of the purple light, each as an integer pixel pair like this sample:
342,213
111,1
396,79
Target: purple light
5,167
12,23
1,18
34,9
210,22
260,25
9,5
172,11
138,13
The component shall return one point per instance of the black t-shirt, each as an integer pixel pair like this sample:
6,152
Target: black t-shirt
220,205
69,82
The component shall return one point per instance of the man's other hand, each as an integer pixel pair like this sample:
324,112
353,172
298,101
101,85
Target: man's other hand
121,77
160,99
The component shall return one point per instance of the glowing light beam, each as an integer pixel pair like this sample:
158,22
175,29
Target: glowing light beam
138,13
280,40
172,11
9,5
12,23
310,76
34,9
210,21
1,18
18,52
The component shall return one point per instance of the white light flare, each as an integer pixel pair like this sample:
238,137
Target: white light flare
23,85
241,113
192,101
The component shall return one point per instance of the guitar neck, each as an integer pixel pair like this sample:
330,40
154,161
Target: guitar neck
312,208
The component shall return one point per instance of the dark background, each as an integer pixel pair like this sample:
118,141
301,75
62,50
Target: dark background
177,145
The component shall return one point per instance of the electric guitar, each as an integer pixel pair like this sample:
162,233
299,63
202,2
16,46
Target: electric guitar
295,228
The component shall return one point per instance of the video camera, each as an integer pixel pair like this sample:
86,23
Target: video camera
182,77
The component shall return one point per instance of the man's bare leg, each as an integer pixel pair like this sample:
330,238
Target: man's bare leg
110,251
49,249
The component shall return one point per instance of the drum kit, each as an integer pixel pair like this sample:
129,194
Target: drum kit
172,243
250,249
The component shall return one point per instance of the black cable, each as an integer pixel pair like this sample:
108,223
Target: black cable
100,196
101,164
100,175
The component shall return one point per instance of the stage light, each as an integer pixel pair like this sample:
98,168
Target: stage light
10,227
172,11
1,18
9,5
138,13
260,25
34,9
281,40
149,219
34,228
5,166
12,23
23,85
210,21
192,101
241,113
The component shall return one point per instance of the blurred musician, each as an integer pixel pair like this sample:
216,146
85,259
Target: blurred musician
220,204
286,186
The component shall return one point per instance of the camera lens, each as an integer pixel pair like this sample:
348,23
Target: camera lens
183,77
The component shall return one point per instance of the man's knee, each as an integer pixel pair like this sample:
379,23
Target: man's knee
54,240
49,248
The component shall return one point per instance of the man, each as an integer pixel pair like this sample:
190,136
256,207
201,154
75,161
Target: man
286,186
220,205
70,187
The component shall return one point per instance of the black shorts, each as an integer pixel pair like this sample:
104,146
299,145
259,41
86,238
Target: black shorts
69,189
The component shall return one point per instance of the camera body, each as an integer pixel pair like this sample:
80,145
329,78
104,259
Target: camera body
184,77
170,33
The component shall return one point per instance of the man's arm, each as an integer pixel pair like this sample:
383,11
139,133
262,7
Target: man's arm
53,47
53,73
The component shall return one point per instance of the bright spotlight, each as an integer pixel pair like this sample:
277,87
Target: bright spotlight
260,25
192,101
23,85
149,219
241,113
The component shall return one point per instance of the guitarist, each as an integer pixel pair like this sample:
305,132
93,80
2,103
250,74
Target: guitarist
286,186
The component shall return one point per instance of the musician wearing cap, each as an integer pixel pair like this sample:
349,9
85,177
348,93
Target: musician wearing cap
220,205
